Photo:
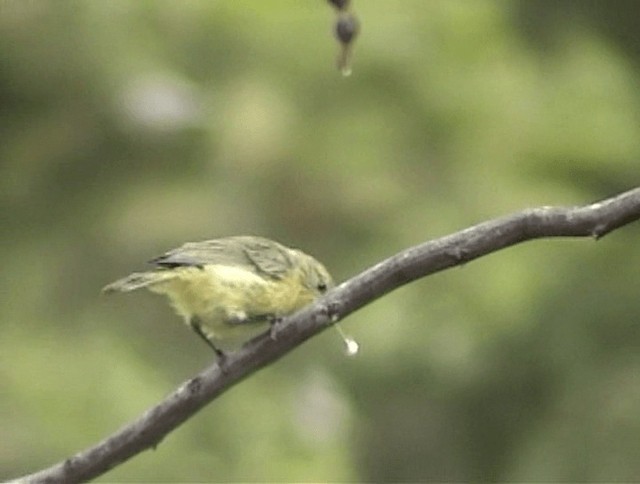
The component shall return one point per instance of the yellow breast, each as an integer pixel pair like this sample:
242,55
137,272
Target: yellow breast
223,296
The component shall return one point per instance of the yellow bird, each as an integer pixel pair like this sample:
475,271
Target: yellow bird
229,290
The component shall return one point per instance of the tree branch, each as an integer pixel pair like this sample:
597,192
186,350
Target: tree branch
595,220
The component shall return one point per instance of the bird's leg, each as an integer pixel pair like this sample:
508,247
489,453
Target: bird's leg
196,325
272,319
274,323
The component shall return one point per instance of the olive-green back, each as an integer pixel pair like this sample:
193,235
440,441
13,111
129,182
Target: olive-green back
257,254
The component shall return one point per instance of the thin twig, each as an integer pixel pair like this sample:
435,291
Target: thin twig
147,431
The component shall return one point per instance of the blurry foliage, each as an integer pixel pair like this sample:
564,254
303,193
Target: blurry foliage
127,127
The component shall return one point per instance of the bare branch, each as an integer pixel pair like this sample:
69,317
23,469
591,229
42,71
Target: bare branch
146,432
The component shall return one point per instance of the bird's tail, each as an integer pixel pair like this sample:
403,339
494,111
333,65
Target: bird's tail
137,280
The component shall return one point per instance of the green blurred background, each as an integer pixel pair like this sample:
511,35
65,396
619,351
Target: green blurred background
128,127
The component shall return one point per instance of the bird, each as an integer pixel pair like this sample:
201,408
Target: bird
229,290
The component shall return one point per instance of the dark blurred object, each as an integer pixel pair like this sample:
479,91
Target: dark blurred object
346,28
340,4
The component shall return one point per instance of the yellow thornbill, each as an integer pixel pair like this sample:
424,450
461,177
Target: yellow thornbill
231,289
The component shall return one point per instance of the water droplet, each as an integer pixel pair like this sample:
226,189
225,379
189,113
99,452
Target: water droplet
344,61
351,346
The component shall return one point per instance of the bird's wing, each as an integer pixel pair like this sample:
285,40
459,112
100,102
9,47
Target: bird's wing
256,254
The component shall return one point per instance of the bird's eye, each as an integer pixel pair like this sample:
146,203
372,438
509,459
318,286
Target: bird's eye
322,287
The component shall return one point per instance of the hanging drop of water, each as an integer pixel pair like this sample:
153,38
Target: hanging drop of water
351,346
